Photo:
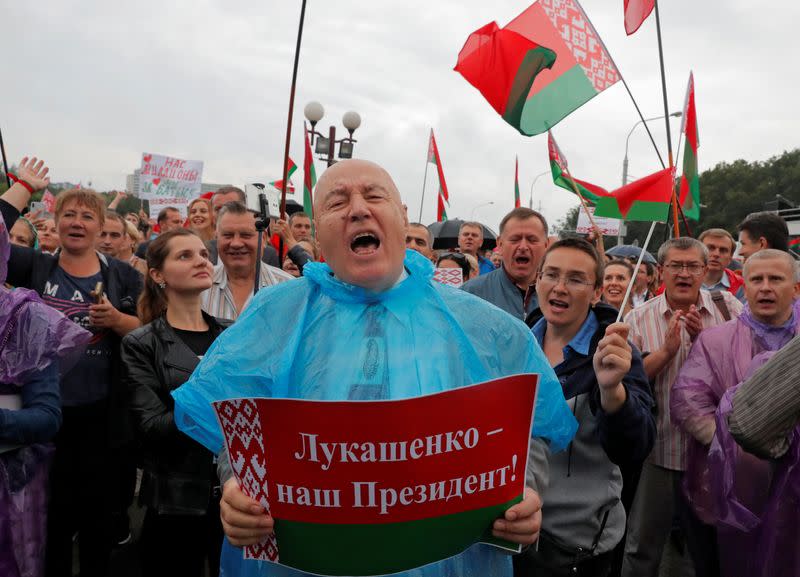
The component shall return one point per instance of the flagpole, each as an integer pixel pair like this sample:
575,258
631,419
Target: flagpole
683,216
291,111
635,271
627,88
424,181
583,202
5,161
675,223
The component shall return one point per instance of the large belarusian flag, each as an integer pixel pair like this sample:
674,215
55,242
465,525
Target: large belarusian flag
502,65
539,98
516,183
561,177
636,12
645,199
443,196
309,180
689,195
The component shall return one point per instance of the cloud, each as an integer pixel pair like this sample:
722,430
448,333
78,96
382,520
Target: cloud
91,85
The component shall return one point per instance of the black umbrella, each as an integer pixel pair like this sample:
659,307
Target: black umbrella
445,235
292,206
631,252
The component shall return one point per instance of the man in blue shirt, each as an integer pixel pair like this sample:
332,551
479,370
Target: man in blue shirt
470,240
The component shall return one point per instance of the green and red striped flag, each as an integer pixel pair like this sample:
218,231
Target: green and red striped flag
443,197
689,194
279,183
645,199
309,179
561,177
636,12
516,182
503,65
522,82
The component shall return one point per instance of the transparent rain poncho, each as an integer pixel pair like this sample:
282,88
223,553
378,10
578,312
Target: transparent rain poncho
32,337
300,340
754,503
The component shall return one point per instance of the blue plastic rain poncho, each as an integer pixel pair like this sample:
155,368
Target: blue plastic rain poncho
303,339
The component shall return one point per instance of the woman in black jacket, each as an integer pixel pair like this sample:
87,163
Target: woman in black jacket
179,485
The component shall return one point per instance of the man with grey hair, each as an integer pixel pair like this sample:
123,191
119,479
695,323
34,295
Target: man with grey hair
470,240
219,199
721,358
420,239
667,325
234,278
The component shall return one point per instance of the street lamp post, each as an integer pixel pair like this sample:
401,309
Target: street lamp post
530,200
472,214
326,146
677,114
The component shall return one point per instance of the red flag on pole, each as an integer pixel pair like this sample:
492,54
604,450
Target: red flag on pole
444,197
49,201
636,12
516,182
645,199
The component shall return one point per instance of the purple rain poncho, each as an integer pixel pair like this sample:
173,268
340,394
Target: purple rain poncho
32,335
754,503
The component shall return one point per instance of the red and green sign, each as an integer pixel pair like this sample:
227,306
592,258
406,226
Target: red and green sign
370,488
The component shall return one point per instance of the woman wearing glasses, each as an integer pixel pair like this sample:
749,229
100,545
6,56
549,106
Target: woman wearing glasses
604,382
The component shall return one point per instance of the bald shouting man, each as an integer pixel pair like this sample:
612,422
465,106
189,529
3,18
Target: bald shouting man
436,339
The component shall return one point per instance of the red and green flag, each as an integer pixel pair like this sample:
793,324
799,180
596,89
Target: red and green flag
503,65
689,192
309,179
443,198
636,12
291,167
522,81
516,183
645,199
561,177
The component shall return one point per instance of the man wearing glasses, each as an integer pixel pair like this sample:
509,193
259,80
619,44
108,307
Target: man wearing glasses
667,326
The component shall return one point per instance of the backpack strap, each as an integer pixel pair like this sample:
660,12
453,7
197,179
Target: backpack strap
722,306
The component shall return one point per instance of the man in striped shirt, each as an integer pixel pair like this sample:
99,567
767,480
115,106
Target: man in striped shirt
667,326
234,277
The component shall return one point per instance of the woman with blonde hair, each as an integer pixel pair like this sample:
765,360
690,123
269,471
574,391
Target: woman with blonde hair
201,218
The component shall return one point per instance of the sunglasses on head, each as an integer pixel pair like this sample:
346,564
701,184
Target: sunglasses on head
456,256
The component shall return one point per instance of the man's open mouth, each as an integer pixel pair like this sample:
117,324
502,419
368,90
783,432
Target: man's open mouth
365,243
522,260
558,305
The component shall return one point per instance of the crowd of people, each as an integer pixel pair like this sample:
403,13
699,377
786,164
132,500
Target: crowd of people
652,425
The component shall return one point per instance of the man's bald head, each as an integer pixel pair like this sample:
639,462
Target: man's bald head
361,224
346,170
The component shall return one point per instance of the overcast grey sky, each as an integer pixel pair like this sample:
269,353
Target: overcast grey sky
90,85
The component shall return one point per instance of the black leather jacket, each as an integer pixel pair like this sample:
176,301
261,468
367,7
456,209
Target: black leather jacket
178,471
